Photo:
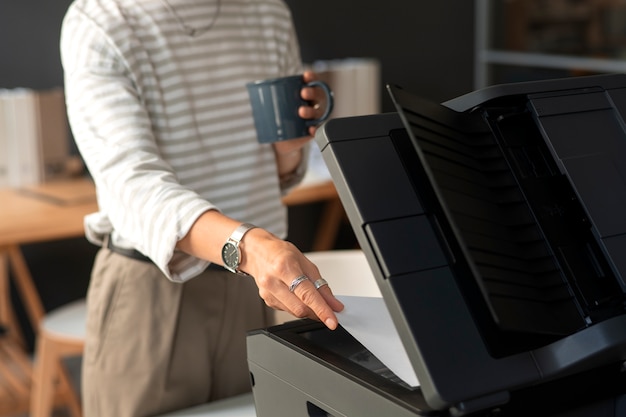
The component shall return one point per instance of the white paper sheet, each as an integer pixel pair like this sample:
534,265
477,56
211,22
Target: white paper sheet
368,321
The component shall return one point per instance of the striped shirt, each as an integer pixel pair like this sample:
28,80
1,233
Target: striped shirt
163,121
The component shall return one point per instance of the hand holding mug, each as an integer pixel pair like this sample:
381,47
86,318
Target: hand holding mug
289,107
318,107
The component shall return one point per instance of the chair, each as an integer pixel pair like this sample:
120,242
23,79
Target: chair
61,335
347,273
15,377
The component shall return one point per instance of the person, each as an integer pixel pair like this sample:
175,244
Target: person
156,99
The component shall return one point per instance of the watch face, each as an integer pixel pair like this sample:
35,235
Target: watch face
230,255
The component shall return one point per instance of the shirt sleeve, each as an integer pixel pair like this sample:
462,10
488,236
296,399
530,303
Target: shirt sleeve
138,192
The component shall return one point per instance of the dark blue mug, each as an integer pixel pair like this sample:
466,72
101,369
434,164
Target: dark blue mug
275,104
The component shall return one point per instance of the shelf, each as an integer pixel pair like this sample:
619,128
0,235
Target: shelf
565,62
532,38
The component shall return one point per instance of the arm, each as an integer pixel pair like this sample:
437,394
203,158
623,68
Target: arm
138,192
272,262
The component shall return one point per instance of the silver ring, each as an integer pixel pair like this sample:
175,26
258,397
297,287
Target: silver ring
320,283
297,281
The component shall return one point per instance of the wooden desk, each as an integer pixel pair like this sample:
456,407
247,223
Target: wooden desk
32,214
42,213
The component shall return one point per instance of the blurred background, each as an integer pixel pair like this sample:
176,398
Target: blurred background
439,50
436,49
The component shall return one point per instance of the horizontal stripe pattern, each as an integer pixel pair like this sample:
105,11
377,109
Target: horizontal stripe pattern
163,119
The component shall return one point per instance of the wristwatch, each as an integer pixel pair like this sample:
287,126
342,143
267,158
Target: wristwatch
231,254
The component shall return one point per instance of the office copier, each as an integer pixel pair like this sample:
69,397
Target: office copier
495,227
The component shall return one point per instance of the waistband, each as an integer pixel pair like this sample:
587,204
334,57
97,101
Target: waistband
129,253
138,256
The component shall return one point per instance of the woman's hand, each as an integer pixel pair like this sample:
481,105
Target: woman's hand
275,264
288,152
317,99
315,110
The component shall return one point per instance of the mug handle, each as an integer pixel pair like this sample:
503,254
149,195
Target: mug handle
330,103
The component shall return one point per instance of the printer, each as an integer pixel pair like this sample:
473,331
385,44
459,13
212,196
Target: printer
495,227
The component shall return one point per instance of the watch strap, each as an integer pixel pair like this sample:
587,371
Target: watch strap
240,231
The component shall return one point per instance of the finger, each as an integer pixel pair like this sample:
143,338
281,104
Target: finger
327,293
293,306
292,303
300,310
297,308
312,94
310,112
316,103
312,298
309,76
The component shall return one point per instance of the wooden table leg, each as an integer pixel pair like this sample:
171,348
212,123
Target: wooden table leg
8,319
26,286
15,378
329,224
15,367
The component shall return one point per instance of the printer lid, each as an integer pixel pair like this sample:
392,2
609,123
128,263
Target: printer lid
493,226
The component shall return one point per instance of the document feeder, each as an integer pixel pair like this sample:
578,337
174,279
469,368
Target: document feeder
495,226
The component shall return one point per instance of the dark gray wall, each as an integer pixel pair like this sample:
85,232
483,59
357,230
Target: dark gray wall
427,47
29,43
424,46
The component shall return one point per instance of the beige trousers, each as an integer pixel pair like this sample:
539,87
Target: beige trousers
154,346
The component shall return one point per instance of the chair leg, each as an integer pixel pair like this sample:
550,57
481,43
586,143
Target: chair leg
44,375
15,378
70,394
51,379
